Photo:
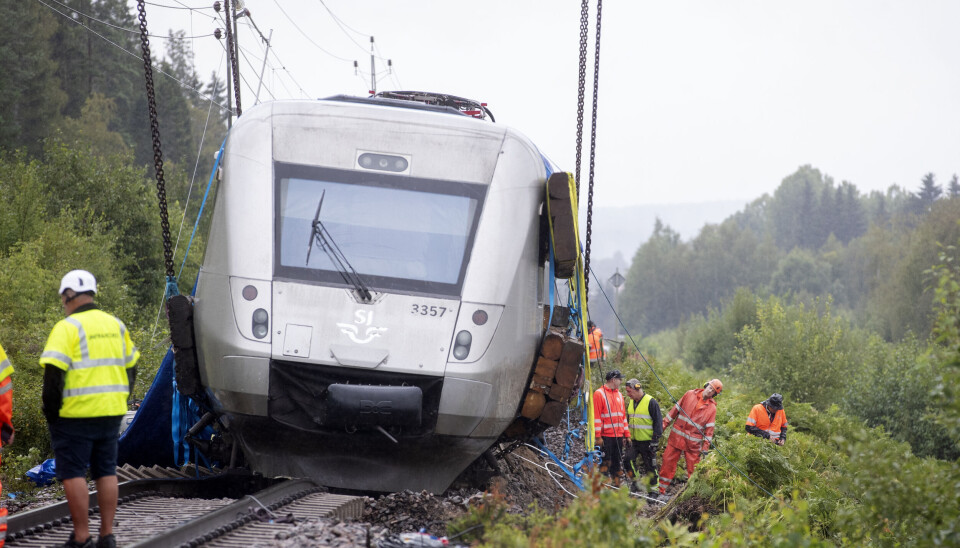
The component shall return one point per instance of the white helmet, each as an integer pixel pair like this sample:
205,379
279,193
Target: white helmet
80,281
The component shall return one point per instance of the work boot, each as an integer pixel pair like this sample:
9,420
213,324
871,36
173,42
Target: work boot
107,541
72,543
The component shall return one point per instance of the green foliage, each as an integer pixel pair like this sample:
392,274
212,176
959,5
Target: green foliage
946,329
710,342
797,351
599,517
92,129
801,273
892,390
786,525
902,500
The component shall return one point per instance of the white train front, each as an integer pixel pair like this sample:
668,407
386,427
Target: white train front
438,214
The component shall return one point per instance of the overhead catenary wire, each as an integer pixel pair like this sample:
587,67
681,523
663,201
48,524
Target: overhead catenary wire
318,46
340,25
182,6
134,55
124,29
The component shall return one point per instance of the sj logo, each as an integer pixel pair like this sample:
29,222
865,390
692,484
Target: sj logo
363,319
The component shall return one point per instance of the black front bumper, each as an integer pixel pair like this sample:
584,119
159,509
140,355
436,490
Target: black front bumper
333,399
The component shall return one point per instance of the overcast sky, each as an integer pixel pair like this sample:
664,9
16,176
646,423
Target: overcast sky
699,100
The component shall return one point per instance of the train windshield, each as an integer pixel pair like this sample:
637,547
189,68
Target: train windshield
397,233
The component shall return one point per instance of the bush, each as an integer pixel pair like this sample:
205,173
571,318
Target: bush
799,352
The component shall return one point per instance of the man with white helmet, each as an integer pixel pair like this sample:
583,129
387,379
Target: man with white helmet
89,365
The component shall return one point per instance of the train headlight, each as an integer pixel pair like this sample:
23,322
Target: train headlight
461,345
383,162
260,321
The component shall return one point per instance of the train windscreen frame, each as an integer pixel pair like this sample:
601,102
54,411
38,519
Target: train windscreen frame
400,233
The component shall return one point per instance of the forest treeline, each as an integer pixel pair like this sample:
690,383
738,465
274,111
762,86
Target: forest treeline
811,237
77,177
73,69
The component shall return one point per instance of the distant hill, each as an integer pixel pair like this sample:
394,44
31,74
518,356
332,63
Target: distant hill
624,229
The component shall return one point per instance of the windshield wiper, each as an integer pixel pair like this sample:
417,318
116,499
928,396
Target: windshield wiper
322,237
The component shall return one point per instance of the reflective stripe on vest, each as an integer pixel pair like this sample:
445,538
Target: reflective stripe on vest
595,341
639,420
6,368
95,350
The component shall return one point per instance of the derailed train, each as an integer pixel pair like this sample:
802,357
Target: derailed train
371,297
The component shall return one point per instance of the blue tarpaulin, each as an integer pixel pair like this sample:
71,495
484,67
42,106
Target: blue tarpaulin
147,441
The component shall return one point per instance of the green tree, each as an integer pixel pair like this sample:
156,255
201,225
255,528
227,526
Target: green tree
953,190
793,209
946,331
656,291
30,95
928,193
798,351
802,274
92,129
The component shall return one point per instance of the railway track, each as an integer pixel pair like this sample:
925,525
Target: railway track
226,510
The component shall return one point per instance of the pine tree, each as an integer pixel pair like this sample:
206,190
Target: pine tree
30,95
954,189
929,192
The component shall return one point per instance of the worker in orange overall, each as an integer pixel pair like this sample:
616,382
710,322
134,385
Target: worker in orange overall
768,420
693,432
6,424
595,338
610,423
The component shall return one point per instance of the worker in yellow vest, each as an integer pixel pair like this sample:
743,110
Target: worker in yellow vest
89,365
595,338
644,420
6,424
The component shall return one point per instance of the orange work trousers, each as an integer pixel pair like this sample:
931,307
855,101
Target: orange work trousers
668,468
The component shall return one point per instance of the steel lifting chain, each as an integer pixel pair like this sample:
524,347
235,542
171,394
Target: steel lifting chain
584,23
228,15
155,132
593,151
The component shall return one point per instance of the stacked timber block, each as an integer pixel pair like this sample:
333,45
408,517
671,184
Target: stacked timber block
554,378
561,217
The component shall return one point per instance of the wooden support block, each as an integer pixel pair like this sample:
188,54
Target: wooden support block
517,428
533,405
560,393
568,367
561,317
545,367
540,380
552,345
564,235
553,413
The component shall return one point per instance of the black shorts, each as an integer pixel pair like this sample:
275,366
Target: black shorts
79,443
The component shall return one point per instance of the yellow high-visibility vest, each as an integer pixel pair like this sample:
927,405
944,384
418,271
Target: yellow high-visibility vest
6,368
95,351
639,419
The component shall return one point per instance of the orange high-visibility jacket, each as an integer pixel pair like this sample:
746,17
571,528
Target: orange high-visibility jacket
609,421
596,343
6,398
761,419
685,434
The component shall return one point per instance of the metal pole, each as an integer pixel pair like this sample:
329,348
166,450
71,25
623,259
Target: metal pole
616,280
373,71
263,67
